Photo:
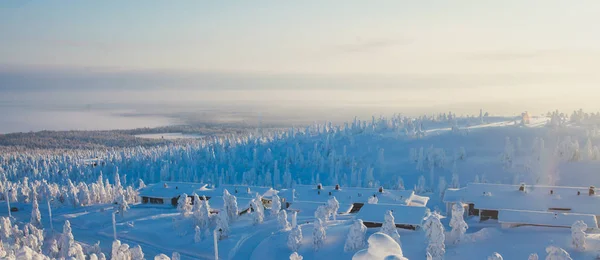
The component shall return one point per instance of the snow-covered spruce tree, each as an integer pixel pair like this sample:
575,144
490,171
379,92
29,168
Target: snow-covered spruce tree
231,206
36,217
420,188
295,239
334,206
222,225
161,257
175,256
137,253
296,256
67,242
356,236
122,204
389,227
322,213
183,205
533,257
578,235
434,231
203,216
282,220
495,256
557,253
507,156
114,253
319,235
400,184
197,235
442,185
458,224
275,205
258,215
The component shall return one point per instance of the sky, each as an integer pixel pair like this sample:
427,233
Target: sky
448,54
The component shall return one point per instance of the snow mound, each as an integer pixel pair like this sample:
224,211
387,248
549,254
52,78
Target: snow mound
483,234
381,247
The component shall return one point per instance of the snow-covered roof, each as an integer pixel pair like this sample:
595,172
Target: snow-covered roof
545,218
534,198
350,195
310,207
218,203
175,189
403,215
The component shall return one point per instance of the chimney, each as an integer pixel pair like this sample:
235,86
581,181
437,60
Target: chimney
337,187
319,186
381,189
522,187
592,191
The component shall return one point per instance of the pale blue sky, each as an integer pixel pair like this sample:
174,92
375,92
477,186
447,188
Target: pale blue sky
303,59
370,37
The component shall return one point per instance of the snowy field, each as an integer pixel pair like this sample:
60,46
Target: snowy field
427,154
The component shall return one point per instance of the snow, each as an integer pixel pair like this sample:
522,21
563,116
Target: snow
381,247
553,219
535,197
405,215
350,195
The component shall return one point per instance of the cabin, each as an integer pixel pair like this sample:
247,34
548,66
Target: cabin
533,204
165,193
405,217
168,193
351,198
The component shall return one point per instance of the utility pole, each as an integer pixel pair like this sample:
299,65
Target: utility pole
50,215
216,244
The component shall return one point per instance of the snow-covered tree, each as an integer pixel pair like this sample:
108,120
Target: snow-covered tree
356,236
389,227
282,220
322,213
458,224
175,256
508,154
557,253
296,256
36,217
442,185
231,206
161,257
420,188
295,239
258,215
275,205
202,216
533,257
334,206
222,226
184,204
122,203
319,234
67,242
434,231
495,256
197,235
137,253
578,235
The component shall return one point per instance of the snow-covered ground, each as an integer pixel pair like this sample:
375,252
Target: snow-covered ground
497,150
